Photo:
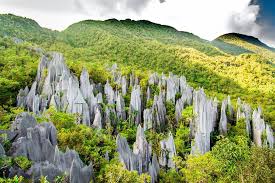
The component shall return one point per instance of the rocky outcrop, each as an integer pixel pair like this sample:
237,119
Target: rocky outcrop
140,159
142,149
154,169
262,133
269,137
227,114
99,105
148,119
21,97
205,111
22,122
168,151
244,112
135,104
2,151
159,113
38,143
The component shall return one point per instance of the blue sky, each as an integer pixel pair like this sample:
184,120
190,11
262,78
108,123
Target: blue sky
205,18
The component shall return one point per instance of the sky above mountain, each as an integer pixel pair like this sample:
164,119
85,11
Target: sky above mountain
205,18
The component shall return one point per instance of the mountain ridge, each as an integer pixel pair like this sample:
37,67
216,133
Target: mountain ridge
243,36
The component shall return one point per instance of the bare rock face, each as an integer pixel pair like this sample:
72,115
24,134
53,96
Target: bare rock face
98,117
159,113
120,107
142,149
30,97
85,85
109,92
172,87
179,108
21,97
140,159
205,111
148,119
168,151
44,169
124,85
154,169
258,127
153,79
2,151
126,156
135,104
56,85
244,112
262,132
227,114
22,122
269,137
38,143
223,120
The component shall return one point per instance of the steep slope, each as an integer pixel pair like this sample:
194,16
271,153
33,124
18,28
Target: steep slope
250,43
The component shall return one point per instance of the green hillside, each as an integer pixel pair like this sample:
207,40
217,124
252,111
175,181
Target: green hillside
146,46
141,45
233,64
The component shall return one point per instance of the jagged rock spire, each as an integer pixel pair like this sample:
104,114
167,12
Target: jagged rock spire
140,158
168,151
38,143
260,128
135,104
205,111
244,111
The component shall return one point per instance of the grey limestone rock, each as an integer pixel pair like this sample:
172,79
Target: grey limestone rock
223,120
98,117
154,169
124,85
159,113
44,169
85,85
31,97
140,159
109,92
205,111
2,151
153,79
120,107
22,122
38,142
168,151
135,104
21,97
269,137
148,119
180,104
244,112
143,149
172,87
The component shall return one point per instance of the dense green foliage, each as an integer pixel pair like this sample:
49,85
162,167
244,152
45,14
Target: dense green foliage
24,29
229,65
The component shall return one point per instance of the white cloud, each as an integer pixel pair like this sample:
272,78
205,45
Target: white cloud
205,18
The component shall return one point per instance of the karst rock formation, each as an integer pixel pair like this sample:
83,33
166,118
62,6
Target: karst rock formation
102,104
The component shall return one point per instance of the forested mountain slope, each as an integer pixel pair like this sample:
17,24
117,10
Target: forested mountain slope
127,96
147,46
